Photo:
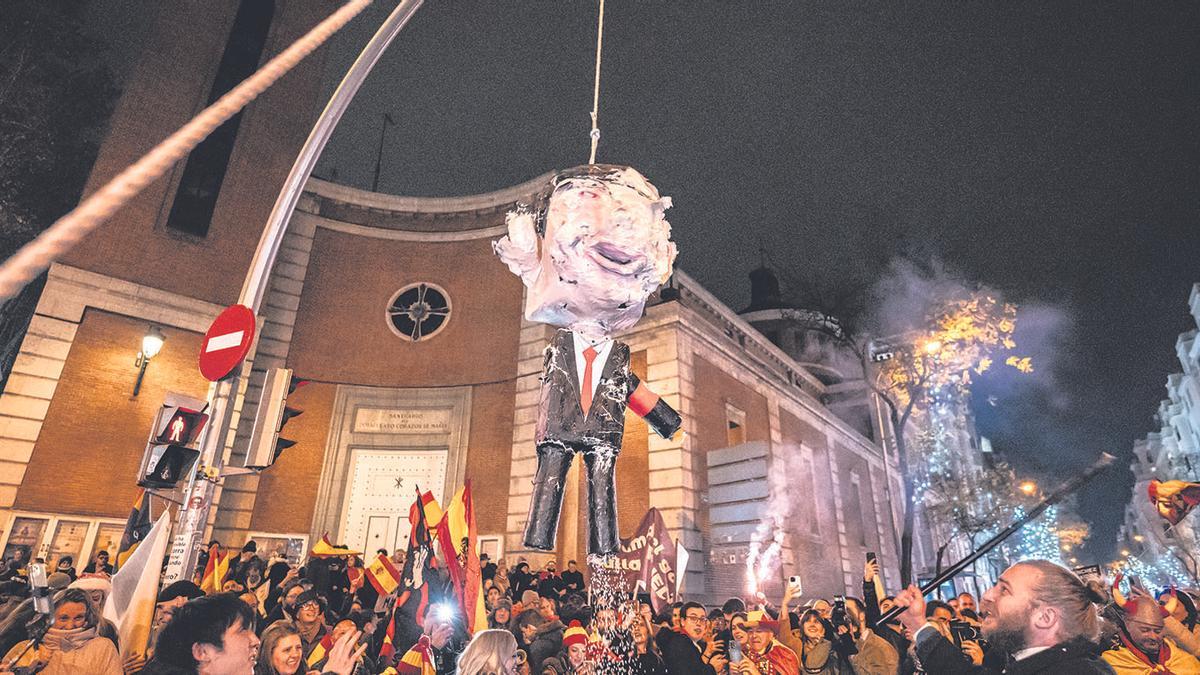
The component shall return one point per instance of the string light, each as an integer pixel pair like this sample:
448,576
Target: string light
1039,539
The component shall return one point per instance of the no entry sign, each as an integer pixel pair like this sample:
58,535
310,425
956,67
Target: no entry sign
227,342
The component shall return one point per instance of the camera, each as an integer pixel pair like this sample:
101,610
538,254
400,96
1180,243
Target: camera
837,615
964,631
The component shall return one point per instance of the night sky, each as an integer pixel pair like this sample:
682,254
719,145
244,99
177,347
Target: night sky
1048,150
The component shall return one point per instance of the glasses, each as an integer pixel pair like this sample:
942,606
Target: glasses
695,618
311,604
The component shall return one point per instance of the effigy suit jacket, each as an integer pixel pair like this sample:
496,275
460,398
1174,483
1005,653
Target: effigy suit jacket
560,414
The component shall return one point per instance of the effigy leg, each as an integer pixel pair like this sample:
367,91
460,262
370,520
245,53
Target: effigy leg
602,500
554,460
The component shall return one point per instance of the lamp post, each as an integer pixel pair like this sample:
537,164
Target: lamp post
152,343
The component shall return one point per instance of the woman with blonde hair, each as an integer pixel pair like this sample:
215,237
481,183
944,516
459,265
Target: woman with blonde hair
281,651
490,652
72,646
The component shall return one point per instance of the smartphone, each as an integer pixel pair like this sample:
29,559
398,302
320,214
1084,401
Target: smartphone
735,651
870,556
38,589
797,587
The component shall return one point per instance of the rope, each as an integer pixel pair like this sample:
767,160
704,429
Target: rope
93,211
595,134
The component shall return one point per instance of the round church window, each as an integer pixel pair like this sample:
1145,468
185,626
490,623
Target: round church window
418,311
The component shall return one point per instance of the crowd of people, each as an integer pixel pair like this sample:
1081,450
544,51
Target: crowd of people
271,617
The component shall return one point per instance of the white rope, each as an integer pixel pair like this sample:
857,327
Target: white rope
595,134
92,212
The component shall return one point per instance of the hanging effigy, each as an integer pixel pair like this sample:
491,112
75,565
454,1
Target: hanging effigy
590,254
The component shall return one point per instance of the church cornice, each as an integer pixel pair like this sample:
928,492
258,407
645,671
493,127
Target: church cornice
502,199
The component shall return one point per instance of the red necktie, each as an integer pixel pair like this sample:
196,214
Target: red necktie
585,387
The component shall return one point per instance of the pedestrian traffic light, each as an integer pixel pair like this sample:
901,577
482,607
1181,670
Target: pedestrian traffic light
273,413
171,449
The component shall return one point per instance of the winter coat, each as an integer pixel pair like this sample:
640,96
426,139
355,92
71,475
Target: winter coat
97,656
939,656
820,658
875,656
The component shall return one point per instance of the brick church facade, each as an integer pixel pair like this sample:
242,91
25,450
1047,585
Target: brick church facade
766,438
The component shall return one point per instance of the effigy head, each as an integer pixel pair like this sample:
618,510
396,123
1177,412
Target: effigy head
592,250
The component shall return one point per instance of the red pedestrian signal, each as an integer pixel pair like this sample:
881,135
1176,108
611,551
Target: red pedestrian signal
182,427
170,450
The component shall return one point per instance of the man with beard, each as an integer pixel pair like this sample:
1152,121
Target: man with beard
1143,648
1039,618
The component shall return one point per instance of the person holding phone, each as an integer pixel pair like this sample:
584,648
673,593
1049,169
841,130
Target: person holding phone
685,652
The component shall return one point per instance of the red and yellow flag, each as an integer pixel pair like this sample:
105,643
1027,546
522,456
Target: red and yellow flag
416,661
320,651
387,649
383,575
215,570
433,511
459,541
324,549
1174,499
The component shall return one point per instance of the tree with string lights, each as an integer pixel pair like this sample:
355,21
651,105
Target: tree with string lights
961,336
923,374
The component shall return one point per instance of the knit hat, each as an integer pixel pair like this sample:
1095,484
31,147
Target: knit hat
575,634
250,547
58,581
530,599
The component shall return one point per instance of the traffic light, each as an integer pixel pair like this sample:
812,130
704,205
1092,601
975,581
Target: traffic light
171,449
273,413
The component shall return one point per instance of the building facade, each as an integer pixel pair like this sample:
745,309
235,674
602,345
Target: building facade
398,399
1170,453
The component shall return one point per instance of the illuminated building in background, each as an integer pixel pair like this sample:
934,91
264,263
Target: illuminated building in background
1166,554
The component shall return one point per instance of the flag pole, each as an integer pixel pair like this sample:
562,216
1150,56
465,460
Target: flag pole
1057,496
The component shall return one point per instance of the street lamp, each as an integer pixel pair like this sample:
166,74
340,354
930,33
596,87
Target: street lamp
1125,552
1028,487
152,343
933,347
1139,538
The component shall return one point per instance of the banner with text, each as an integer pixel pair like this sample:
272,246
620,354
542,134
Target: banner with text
648,559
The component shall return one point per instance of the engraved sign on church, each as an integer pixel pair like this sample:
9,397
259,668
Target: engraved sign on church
402,421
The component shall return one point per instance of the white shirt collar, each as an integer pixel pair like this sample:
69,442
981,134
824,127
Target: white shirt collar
1028,652
602,351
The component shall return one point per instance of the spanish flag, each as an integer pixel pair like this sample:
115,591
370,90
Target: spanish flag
137,526
215,570
459,541
383,575
433,511
1174,499
416,661
324,549
320,651
387,649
